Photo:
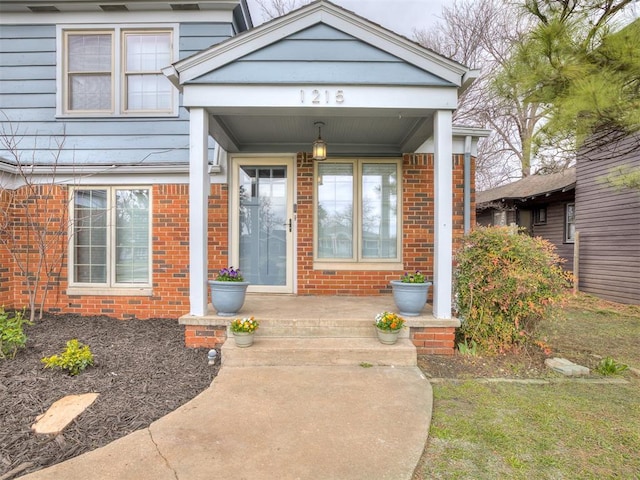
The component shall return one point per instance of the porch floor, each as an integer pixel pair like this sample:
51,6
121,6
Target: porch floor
317,308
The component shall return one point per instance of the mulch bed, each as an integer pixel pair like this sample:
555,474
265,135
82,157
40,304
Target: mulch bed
142,371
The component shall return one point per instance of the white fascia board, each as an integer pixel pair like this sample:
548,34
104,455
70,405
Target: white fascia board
329,14
461,131
406,100
218,16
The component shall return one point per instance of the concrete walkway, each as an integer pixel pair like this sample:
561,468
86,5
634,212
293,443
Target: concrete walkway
280,423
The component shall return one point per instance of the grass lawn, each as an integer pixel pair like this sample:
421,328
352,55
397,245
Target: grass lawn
568,428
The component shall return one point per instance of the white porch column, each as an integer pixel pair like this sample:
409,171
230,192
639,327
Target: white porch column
443,204
198,203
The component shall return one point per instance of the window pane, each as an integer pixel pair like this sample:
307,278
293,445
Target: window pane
335,210
132,236
571,225
89,92
148,92
148,52
379,211
90,236
89,53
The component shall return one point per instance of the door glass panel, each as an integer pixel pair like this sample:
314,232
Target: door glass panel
263,224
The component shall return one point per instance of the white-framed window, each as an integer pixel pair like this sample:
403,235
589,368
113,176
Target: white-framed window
111,237
357,217
570,223
116,71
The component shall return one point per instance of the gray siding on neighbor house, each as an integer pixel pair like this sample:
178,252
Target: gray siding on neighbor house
608,220
336,58
28,106
554,229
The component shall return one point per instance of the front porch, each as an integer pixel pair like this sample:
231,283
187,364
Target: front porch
321,330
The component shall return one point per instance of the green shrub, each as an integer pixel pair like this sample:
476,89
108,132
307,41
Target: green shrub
12,336
505,283
74,359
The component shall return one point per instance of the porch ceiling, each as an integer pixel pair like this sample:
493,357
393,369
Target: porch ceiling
348,133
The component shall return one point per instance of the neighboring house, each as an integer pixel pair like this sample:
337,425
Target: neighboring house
608,222
594,225
186,149
544,205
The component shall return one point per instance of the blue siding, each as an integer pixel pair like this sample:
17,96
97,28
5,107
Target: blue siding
199,36
321,54
28,101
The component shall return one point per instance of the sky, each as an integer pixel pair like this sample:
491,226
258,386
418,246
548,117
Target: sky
401,16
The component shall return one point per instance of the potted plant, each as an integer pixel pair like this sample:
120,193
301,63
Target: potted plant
388,326
243,330
410,293
228,291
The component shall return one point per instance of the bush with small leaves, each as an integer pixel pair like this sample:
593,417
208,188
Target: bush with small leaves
12,336
505,283
74,359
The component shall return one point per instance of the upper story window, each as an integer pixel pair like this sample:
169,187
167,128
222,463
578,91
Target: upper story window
116,71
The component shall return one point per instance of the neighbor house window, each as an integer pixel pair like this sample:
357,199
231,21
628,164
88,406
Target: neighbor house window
357,211
111,241
540,216
570,223
117,72
500,218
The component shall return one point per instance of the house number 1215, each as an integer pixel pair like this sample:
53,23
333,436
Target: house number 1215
324,97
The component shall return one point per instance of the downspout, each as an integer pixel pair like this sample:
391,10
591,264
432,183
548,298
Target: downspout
467,184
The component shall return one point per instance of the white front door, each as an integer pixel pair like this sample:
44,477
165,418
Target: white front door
262,223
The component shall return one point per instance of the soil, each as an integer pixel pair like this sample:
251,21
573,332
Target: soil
142,372
525,364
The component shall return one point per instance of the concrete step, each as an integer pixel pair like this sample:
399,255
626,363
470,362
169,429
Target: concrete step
308,351
320,328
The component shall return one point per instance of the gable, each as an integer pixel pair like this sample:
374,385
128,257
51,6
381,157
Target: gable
321,54
320,42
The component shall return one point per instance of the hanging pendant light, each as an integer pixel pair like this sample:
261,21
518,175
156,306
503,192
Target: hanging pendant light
319,146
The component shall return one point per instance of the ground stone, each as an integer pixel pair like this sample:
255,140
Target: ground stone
566,367
62,412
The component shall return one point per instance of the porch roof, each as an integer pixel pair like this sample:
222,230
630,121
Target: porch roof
375,91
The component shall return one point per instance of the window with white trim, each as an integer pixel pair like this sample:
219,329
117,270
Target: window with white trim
357,205
111,241
117,71
570,223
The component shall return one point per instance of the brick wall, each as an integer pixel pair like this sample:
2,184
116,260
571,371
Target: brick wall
6,263
433,340
170,243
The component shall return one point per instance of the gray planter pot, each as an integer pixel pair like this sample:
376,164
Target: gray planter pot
227,298
243,339
410,298
387,337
